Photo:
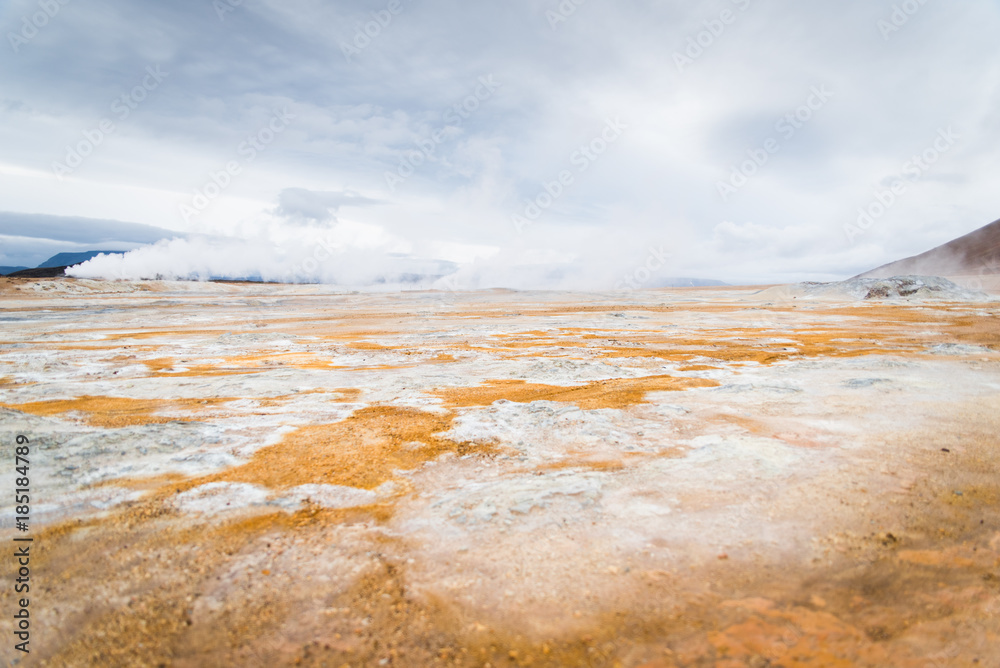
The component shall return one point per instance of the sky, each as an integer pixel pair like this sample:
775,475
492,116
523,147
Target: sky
580,144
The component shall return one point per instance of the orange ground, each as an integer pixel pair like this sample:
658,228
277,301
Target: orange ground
891,557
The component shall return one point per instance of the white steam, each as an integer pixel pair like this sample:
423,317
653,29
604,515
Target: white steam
290,261
365,256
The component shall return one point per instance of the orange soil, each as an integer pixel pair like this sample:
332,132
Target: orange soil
364,451
132,580
618,393
113,412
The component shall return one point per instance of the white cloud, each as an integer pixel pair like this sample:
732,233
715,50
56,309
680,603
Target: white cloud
356,120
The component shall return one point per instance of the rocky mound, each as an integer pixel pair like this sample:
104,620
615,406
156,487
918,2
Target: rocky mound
39,272
908,288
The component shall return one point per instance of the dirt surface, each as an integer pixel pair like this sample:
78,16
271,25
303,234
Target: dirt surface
257,475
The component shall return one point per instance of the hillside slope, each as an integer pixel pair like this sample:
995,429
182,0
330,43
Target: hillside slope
975,254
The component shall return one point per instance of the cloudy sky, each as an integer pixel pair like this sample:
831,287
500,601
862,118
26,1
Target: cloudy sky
524,143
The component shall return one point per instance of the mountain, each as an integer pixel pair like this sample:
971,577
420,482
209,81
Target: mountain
55,265
69,259
975,254
10,270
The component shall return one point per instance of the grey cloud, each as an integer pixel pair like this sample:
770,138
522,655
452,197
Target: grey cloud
76,229
357,118
27,252
318,206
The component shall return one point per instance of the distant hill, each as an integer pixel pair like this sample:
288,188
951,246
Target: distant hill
975,254
43,272
55,265
70,259
39,272
10,270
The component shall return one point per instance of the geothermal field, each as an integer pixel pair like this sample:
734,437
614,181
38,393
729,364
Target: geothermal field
238,474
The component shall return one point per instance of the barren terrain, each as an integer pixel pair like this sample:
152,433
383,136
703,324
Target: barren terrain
263,475
972,259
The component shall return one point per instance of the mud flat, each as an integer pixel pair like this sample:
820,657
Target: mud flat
238,474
